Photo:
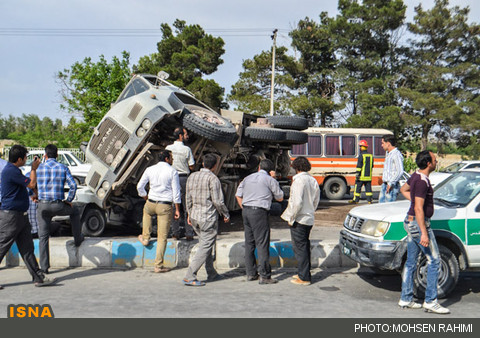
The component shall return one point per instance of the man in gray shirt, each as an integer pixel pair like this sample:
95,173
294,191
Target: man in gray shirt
254,195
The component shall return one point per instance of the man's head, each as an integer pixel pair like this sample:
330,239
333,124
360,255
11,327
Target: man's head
179,134
51,151
266,165
210,161
18,153
301,164
426,160
388,142
186,136
165,156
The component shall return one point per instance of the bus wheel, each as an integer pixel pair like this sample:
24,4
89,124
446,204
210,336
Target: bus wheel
335,188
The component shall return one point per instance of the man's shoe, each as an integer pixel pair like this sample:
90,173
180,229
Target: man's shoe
46,281
143,240
267,281
44,271
353,202
252,278
409,304
369,202
1,287
161,269
295,277
175,237
298,281
435,308
215,278
189,238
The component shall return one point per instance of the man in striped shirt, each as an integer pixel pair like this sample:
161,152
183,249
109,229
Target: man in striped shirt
392,170
51,178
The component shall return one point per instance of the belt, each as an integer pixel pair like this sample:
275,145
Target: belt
183,175
160,202
25,213
254,208
47,201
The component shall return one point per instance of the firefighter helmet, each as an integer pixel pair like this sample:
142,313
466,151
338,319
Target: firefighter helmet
363,143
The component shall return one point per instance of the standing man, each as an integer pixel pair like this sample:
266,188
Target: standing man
419,192
183,163
14,225
254,196
300,215
364,174
164,190
51,179
392,170
204,203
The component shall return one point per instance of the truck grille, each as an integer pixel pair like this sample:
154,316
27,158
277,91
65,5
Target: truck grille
109,140
134,112
94,180
353,223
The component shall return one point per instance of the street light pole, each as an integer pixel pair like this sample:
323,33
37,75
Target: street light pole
274,38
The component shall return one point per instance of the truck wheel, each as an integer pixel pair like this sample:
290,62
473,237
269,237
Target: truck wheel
335,188
447,276
288,122
93,222
295,137
209,124
265,134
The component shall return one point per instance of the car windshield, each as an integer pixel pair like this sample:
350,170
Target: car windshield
458,190
453,168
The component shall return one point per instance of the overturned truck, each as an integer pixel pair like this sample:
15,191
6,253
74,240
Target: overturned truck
141,123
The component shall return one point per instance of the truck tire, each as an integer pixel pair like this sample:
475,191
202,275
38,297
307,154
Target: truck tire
265,134
209,124
447,276
288,122
335,188
295,137
93,222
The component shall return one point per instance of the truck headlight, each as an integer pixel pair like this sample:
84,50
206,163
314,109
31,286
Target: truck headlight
140,132
146,124
101,193
106,185
374,228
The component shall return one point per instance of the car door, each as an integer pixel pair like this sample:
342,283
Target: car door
473,232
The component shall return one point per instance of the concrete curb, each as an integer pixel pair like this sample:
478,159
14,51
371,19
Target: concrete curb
130,253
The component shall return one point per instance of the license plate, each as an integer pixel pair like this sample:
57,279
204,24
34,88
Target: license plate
346,250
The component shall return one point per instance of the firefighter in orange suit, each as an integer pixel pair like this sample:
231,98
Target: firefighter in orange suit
364,173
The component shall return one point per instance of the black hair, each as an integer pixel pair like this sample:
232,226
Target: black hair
209,161
164,154
177,132
17,151
266,165
390,138
423,158
301,164
51,151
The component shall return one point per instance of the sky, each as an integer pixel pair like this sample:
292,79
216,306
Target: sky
31,53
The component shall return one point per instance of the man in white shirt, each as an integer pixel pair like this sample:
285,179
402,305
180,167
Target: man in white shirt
392,170
300,215
164,190
183,162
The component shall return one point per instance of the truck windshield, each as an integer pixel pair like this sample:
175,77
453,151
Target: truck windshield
458,190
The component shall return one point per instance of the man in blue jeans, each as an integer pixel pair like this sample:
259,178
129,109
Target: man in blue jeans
392,170
420,236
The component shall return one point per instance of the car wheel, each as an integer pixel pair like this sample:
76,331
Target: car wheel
93,222
447,276
209,124
265,134
77,181
288,122
335,188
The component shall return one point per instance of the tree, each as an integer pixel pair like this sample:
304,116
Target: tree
251,93
440,89
88,88
186,56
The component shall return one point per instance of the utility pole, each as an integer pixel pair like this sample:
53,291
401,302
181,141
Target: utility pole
274,38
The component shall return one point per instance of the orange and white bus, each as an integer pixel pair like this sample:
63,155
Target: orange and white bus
333,153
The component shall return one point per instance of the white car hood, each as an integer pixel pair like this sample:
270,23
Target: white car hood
396,212
438,177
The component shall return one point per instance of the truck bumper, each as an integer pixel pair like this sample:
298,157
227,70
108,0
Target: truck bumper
386,255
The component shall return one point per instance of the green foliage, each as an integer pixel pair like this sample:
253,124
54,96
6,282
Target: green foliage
186,56
409,164
89,88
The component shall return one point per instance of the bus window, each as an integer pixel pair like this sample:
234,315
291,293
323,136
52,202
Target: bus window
332,145
348,145
314,145
369,141
299,149
378,146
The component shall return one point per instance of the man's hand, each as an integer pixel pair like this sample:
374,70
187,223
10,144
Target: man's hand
272,173
226,219
68,203
388,188
189,221
424,240
177,214
36,162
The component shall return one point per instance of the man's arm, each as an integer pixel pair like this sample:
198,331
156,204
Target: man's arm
420,217
217,198
33,174
71,184
141,186
405,190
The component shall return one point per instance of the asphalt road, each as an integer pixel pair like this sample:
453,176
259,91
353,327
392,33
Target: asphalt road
139,293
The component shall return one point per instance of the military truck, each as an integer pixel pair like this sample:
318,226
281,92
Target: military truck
141,123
